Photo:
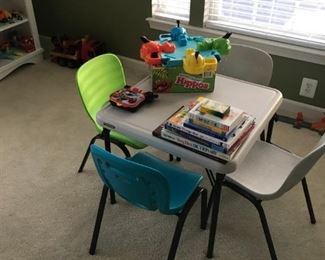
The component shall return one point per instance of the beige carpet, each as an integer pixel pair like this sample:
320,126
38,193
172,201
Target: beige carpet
47,211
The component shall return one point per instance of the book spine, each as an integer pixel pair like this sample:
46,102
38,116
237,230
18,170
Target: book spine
212,128
202,141
196,134
196,146
241,138
206,131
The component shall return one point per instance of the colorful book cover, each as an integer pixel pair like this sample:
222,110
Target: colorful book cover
226,124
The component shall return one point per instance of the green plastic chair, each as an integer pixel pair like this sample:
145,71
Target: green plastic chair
97,79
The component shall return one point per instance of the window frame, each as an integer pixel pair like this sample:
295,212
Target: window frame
281,37
161,16
270,45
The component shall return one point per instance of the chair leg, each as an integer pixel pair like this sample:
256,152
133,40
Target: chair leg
215,211
107,142
308,200
181,220
266,229
99,218
171,158
204,210
122,147
92,141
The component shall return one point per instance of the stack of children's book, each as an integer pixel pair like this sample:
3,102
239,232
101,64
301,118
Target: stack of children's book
208,127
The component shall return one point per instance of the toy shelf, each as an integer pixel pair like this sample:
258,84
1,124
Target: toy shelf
7,66
8,26
27,28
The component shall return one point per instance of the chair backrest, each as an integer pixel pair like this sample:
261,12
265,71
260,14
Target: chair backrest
247,63
142,186
96,80
303,167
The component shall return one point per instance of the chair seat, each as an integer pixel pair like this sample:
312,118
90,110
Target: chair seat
264,170
182,182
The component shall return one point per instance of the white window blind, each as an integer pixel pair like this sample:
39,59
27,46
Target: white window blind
301,22
171,9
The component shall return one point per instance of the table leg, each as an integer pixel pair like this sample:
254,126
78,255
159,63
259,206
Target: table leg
270,128
215,210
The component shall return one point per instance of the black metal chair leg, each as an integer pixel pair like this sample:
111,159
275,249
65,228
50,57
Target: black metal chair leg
99,218
112,196
204,209
171,158
216,202
176,237
107,141
308,200
181,220
266,230
122,147
84,160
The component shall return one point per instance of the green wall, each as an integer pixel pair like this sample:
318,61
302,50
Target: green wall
121,23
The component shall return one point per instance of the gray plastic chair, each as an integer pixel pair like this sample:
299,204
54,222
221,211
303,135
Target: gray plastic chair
270,171
247,63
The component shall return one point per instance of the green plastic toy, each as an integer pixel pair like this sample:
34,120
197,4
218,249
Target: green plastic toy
221,44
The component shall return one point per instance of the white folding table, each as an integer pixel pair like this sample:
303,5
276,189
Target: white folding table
259,101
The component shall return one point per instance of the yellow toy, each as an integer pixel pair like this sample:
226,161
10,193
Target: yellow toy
195,64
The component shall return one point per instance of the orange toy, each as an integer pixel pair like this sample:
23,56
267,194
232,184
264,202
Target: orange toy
319,126
150,50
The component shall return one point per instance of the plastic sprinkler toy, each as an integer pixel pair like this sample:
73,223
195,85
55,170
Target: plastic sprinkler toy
150,50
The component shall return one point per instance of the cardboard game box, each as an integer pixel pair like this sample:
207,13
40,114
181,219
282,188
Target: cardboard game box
175,79
183,63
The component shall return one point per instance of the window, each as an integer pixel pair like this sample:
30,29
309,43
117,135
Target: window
171,9
300,22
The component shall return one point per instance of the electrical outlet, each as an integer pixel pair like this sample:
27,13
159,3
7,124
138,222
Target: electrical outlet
308,87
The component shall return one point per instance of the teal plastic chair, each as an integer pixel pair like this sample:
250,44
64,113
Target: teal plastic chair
97,79
149,183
